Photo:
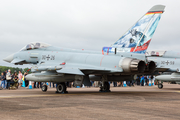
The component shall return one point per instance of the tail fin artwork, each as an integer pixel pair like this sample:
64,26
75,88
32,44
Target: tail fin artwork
138,37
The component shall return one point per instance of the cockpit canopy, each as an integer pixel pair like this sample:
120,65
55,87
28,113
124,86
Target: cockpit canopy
155,53
35,45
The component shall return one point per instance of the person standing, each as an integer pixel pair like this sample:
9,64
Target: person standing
39,84
142,81
115,84
8,78
3,80
145,80
26,81
152,79
20,78
148,78
50,84
137,82
34,84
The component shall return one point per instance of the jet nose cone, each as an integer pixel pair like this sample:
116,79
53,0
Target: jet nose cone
158,77
29,77
9,58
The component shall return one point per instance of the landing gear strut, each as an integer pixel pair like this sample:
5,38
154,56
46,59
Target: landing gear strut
44,88
160,86
105,87
61,88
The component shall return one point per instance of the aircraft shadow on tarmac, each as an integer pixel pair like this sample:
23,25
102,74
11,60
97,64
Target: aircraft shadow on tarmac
109,93
171,88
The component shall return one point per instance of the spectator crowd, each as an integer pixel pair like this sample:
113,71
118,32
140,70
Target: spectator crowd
11,80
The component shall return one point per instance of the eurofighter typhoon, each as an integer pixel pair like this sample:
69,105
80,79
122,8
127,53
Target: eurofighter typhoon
60,65
166,61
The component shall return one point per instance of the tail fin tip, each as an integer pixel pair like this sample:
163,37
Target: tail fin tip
157,8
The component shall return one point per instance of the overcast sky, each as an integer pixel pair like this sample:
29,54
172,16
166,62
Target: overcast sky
89,24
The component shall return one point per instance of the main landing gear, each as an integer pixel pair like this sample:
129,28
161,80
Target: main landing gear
105,87
160,85
61,88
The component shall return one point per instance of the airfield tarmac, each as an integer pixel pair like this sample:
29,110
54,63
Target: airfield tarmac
134,103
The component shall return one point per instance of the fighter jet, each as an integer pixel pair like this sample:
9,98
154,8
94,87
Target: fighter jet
166,61
60,65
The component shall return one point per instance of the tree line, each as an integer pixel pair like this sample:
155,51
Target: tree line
13,69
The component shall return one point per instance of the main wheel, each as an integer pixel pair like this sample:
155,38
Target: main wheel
44,88
106,86
160,86
61,88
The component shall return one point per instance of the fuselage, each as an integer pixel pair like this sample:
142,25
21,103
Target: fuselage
54,56
168,61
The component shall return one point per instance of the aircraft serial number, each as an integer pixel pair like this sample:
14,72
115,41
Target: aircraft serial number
48,57
167,62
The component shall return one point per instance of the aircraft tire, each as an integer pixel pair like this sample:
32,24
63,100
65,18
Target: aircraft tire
160,86
44,88
61,88
106,87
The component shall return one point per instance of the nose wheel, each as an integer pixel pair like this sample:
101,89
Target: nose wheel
160,86
44,88
61,88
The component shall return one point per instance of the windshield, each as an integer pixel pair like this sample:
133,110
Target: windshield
35,45
155,53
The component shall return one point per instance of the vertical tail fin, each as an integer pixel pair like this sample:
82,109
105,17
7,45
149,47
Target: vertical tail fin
138,37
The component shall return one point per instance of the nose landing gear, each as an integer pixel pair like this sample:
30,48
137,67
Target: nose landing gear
44,88
160,86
